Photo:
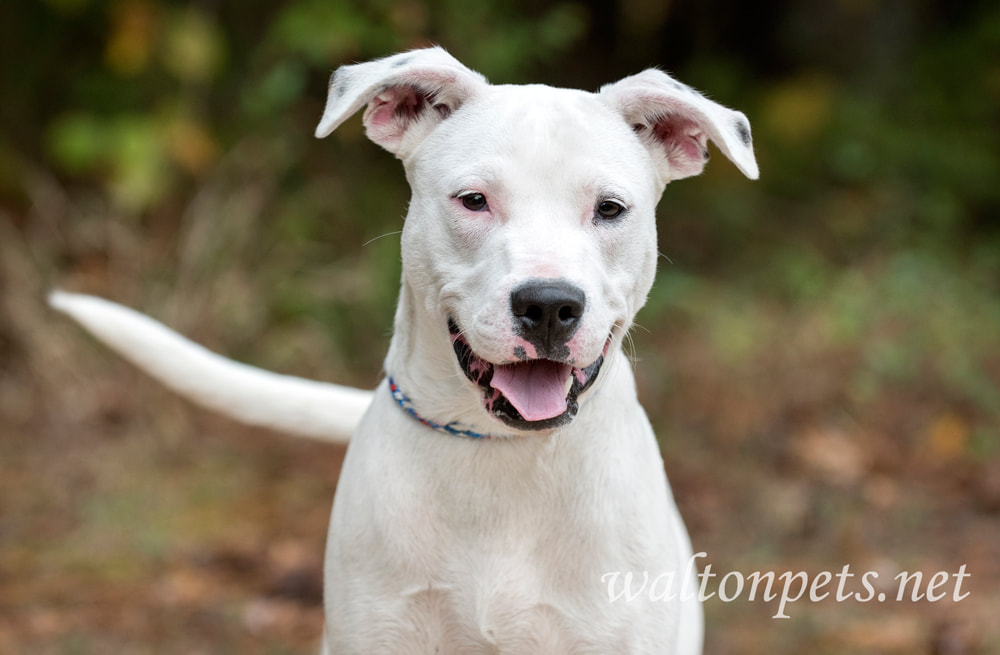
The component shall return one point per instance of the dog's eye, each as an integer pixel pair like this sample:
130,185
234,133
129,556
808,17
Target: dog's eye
609,209
475,202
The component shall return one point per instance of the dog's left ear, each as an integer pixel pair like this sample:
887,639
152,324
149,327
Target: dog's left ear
407,95
676,123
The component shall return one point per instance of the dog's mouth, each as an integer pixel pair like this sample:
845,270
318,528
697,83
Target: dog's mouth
534,394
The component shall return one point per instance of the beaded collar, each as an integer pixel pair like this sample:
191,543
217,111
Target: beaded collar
454,428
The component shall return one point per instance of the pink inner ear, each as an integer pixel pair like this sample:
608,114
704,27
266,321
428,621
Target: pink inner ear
685,144
394,103
681,134
391,112
380,111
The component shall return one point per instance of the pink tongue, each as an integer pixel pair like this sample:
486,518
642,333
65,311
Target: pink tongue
537,389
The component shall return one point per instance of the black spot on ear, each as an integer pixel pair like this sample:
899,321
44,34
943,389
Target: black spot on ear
706,154
399,63
338,83
743,131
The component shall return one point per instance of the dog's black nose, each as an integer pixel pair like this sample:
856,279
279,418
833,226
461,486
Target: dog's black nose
547,313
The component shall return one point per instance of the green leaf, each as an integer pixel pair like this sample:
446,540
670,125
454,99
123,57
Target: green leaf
77,142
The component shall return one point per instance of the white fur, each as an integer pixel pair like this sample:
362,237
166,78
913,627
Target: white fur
251,395
444,544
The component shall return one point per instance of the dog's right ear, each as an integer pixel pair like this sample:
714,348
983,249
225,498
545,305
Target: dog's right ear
676,123
407,96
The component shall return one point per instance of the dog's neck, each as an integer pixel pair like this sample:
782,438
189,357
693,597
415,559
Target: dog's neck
421,362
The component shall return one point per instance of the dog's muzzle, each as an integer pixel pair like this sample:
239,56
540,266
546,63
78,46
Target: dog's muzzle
534,394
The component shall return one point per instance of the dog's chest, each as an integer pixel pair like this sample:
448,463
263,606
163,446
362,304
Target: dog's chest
485,555
500,620
510,603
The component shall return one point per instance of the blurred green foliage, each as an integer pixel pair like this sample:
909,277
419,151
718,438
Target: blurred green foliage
161,89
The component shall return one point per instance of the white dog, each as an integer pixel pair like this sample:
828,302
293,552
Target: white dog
504,465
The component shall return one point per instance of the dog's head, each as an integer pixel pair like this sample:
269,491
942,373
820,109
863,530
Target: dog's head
530,242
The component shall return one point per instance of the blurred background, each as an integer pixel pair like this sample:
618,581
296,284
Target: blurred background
820,354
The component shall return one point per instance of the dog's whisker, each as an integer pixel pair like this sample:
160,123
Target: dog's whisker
629,343
381,236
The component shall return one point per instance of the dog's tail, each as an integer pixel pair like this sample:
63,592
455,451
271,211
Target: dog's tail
251,395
